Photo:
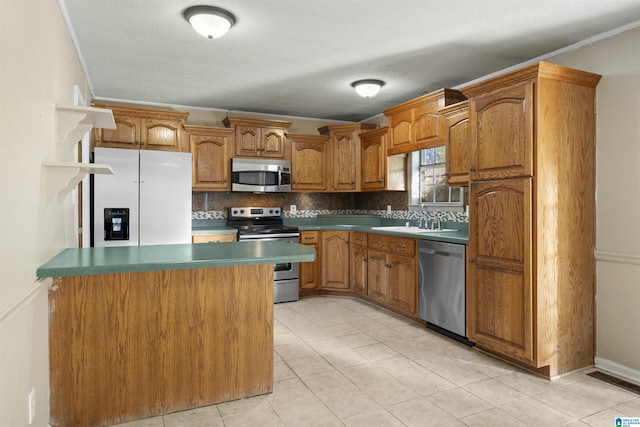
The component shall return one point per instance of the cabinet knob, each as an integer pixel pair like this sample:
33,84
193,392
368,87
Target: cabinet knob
471,260
402,245
472,169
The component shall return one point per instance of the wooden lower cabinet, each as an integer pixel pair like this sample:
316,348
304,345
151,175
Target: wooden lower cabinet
391,272
402,287
358,262
310,271
335,261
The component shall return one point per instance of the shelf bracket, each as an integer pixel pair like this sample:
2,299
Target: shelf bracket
74,122
62,177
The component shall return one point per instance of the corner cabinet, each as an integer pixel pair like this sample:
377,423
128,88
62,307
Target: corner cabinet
258,138
531,267
138,128
344,141
211,151
379,172
417,124
309,162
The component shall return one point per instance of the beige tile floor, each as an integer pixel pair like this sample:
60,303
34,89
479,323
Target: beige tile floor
343,362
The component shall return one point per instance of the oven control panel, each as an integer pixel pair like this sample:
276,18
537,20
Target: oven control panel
255,212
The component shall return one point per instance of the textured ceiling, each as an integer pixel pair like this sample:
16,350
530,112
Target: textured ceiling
299,57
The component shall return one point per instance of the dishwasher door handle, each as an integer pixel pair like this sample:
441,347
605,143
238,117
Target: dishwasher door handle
434,252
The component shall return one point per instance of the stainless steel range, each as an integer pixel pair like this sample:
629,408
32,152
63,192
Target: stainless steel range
258,223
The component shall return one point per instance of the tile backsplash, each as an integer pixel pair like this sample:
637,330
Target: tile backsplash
213,205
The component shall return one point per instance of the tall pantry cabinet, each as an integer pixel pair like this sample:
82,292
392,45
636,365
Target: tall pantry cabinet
531,267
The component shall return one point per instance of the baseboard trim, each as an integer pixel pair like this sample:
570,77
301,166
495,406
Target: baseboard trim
618,370
16,306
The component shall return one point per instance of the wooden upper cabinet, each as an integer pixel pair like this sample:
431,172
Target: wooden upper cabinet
138,128
210,151
379,172
457,144
417,124
501,125
345,149
309,161
258,138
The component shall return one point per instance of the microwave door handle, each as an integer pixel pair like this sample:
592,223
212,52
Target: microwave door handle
279,177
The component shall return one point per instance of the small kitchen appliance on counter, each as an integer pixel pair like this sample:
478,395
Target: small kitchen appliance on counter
258,223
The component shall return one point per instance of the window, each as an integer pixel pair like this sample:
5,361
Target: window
428,185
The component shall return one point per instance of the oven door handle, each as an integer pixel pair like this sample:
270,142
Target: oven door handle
269,237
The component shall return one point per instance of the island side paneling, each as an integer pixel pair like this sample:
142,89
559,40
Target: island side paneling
127,346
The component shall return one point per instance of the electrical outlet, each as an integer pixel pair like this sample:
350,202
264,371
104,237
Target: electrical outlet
32,405
292,209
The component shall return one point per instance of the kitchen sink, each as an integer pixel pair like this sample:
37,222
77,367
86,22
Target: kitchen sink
413,229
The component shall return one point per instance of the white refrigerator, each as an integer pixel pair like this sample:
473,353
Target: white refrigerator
152,188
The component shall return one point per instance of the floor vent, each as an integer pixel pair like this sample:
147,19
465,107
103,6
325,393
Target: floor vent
634,388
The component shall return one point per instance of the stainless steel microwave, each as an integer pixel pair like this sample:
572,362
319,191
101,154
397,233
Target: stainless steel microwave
260,175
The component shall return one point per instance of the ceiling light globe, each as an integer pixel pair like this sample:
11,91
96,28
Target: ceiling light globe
367,88
209,21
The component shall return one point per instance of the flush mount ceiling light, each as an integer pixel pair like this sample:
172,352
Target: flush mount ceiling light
367,88
209,21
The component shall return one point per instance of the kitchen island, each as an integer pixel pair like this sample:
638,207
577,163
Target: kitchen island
140,331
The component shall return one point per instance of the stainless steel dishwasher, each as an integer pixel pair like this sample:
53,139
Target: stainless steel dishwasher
442,289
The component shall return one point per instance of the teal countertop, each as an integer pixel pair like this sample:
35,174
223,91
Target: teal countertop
350,222
127,259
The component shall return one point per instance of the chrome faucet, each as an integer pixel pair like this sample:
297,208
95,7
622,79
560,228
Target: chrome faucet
424,222
430,224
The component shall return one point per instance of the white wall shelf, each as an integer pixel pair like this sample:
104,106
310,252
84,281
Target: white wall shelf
74,122
62,177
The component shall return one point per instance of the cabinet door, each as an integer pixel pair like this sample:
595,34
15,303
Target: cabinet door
248,141
272,144
402,284
210,162
374,158
426,125
457,147
161,134
401,131
344,160
335,260
377,275
359,269
309,165
502,133
125,135
310,272
499,289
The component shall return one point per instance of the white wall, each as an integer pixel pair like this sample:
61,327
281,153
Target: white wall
39,69
618,198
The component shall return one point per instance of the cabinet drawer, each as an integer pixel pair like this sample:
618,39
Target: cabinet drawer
398,245
359,238
307,237
213,237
